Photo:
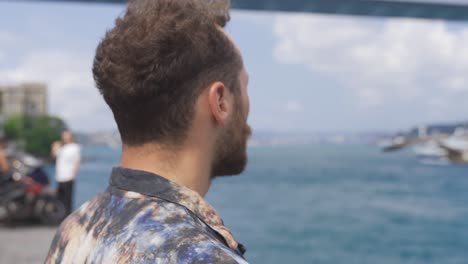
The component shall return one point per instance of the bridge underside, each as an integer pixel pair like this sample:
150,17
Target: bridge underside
442,9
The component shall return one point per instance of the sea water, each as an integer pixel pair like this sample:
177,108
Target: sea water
331,204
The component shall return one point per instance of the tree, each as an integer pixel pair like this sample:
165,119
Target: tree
37,133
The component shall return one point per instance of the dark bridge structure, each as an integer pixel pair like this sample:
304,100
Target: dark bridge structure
454,10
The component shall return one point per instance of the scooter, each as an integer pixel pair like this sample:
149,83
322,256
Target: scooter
25,197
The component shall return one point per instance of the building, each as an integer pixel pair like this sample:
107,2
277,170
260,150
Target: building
24,99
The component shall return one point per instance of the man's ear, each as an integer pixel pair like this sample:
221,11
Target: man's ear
218,97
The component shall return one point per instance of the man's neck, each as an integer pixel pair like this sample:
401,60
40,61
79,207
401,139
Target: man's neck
189,167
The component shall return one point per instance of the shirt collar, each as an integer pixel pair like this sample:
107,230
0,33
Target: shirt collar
150,184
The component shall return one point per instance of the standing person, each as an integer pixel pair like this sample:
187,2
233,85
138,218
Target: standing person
4,164
68,156
176,84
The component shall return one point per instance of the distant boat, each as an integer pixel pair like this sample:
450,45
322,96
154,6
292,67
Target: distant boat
393,144
458,141
453,148
431,149
456,146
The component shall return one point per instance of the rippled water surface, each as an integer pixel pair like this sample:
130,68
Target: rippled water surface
332,204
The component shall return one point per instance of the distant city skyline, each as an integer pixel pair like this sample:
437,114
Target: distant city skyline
308,72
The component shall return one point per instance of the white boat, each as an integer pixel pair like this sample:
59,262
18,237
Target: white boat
456,146
431,149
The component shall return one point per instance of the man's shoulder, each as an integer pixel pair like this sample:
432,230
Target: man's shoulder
206,251
112,227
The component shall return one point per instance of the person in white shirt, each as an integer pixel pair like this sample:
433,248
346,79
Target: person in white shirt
68,157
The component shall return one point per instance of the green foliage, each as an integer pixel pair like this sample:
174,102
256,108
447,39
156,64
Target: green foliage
37,133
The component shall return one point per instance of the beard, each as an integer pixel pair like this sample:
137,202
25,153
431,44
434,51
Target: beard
231,147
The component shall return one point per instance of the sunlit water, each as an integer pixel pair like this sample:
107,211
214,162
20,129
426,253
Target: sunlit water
332,204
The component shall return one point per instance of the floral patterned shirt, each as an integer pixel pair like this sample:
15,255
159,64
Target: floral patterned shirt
144,218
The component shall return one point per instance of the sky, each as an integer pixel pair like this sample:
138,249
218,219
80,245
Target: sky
308,72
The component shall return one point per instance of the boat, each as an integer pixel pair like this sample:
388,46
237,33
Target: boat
442,147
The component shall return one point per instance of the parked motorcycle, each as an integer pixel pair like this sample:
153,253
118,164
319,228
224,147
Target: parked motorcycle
25,196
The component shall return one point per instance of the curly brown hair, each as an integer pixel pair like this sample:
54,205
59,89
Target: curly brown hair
153,65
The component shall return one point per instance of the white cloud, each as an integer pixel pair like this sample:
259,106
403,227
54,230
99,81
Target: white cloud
71,88
383,61
294,106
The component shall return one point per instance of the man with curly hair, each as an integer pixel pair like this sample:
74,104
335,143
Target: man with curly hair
176,84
